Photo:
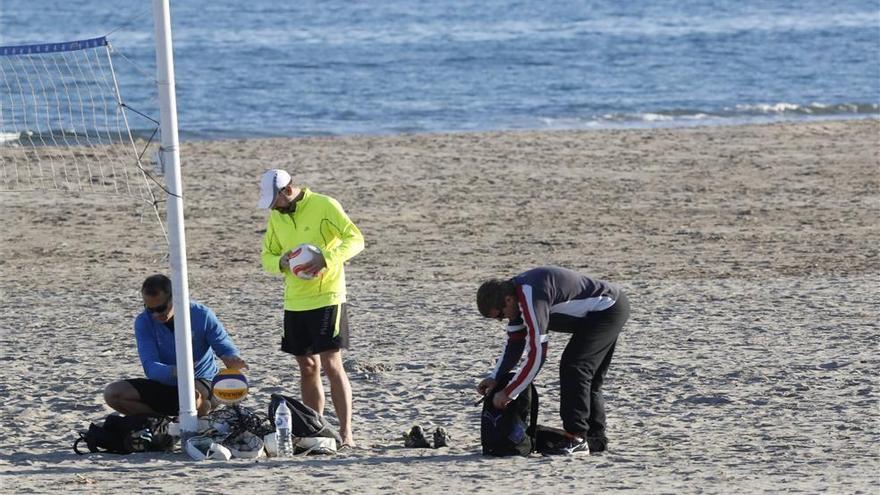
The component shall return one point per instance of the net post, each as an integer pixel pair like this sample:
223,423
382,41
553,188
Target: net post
177,245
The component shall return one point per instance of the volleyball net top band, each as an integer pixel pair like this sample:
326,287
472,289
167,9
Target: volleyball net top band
41,48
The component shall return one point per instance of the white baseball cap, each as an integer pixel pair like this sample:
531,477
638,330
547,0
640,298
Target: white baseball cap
273,181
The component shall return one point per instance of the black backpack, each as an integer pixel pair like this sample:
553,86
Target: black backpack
512,430
304,421
127,434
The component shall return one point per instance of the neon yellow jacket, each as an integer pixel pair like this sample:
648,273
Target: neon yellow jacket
318,220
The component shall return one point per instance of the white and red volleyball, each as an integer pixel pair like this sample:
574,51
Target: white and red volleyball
300,257
230,386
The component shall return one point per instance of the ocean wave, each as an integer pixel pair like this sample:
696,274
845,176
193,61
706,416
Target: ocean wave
811,109
9,137
70,138
780,109
723,24
446,30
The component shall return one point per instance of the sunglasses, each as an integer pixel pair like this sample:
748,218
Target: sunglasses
158,310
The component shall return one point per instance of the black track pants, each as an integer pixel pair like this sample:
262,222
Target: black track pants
583,366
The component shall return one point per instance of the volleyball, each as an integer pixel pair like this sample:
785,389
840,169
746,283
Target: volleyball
230,386
302,255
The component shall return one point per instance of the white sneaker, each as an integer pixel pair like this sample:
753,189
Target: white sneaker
314,446
203,448
245,445
270,443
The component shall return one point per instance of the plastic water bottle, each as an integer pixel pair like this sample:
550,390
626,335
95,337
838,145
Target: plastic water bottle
282,427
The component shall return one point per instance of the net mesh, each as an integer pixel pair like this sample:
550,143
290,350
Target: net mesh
63,124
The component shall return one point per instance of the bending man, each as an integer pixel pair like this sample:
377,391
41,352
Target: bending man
548,298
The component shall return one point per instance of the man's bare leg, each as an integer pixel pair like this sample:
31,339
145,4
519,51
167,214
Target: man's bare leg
203,405
310,382
125,399
340,392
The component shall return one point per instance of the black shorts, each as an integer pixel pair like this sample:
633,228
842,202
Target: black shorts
163,398
316,330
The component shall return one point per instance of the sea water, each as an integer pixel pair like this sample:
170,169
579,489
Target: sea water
331,67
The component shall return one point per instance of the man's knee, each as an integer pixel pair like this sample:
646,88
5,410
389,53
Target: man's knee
203,405
332,362
203,402
118,391
309,366
582,371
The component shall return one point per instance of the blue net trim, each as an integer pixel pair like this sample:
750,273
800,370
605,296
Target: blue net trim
68,46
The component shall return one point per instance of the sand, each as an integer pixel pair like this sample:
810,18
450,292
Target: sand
750,254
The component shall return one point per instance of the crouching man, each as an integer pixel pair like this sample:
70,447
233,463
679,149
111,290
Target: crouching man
154,333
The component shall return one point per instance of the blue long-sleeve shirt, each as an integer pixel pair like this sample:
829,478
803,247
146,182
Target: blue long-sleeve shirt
155,344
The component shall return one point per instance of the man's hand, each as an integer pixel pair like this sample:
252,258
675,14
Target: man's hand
500,400
233,362
485,385
284,262
316,265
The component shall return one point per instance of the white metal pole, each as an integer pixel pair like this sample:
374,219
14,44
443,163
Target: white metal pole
177,241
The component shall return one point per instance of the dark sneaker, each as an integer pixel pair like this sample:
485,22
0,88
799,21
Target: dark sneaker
569,446
415,439
441,437
597,443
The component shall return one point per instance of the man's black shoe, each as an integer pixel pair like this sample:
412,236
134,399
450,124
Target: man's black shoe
441,437
569,446
415,439
597,443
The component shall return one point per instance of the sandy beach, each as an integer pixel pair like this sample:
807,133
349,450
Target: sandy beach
751,255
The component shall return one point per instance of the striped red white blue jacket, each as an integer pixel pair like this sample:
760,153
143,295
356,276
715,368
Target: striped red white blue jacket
549,298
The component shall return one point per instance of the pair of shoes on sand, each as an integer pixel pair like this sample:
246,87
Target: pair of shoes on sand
416,439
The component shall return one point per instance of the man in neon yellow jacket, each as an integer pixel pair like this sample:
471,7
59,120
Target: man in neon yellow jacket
315,318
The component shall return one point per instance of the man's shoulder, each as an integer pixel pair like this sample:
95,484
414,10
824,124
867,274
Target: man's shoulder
542,278
142,320
197,308
530,277
321,199
547,272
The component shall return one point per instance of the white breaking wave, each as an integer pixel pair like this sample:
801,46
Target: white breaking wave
812,108
8,137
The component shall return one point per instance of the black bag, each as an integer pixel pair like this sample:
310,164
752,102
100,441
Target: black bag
304,421
127,434
548,438
509,431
